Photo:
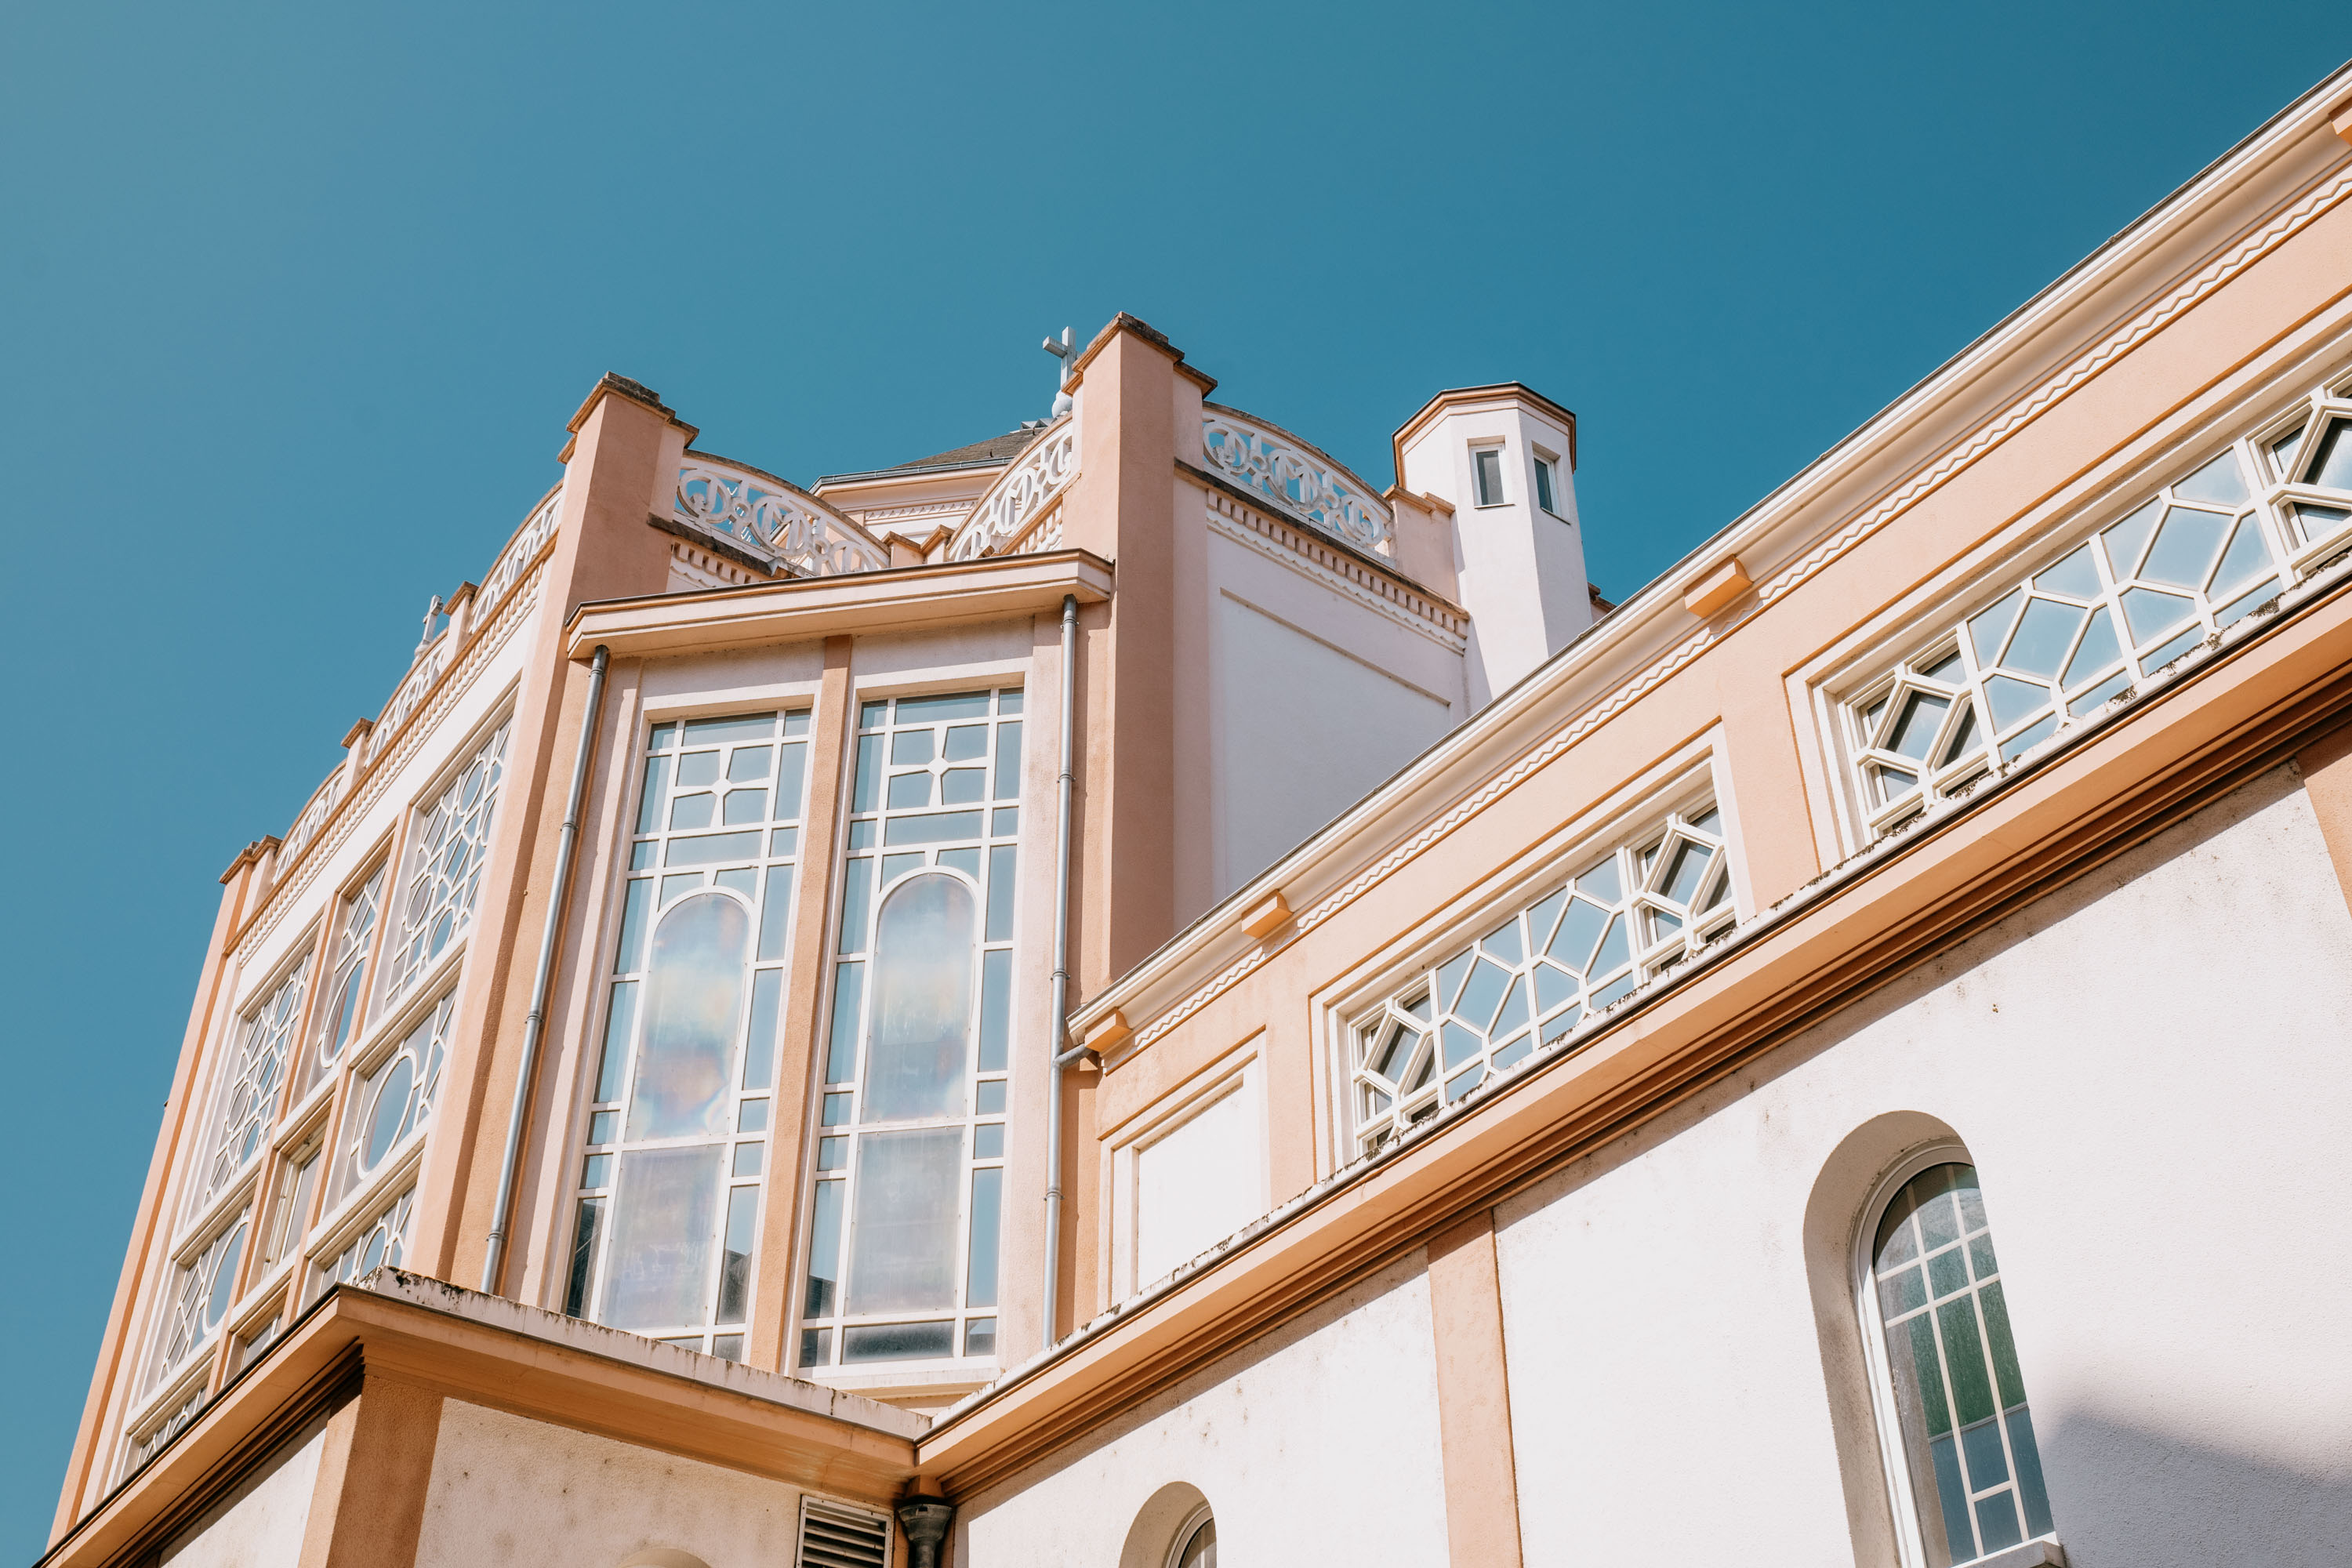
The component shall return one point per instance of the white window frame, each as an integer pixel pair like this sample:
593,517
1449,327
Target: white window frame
1478,494
865,851
1548,480
1204,1514
393,983
1894,1463
1695,787
1242,1073
1845,698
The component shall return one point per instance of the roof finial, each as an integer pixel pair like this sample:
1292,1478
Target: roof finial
1066,350
432,613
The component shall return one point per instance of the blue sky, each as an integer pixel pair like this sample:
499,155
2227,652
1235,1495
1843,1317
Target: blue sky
294,302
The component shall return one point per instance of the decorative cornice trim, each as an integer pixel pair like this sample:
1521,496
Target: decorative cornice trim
1290,548
2022,413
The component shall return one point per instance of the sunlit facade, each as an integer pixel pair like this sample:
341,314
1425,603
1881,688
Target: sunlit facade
1120,993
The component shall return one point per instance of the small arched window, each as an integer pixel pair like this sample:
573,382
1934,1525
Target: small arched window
1963,1447
1196,1543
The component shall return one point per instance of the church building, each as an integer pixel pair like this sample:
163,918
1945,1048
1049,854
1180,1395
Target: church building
1124,992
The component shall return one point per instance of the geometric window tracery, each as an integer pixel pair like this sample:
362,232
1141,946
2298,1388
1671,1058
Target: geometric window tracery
199,1300
444,876
249,1100
1535,978
2040,653
339,1013
392,1103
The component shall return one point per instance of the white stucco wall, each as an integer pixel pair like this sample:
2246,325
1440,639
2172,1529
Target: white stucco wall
260,1524
2150,1069
508,1490
1316,1445
1316,701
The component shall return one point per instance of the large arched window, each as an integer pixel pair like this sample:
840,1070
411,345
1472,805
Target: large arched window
906,1196
665,1238
1961,1448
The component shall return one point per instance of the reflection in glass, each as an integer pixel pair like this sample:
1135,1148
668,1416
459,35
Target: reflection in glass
905,1226
1968,1433
663,1223
693,997
922,1000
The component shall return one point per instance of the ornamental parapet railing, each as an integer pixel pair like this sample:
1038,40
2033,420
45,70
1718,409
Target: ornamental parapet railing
470,611
1297,479
1020,494
788,526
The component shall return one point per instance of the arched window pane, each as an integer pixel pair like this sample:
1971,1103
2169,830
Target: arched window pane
916,1051
1968,1433
1200,1549
693,998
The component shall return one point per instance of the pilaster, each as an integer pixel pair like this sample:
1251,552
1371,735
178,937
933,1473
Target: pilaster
614,466
1474,1397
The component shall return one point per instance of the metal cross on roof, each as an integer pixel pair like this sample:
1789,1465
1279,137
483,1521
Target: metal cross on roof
1066,352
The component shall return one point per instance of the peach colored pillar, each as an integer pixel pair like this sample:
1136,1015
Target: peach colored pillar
367,1505
832,732
1123,509
1474,1397
2327,768
604,548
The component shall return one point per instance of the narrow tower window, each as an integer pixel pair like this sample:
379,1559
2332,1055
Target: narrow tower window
1547,477
1971,1465
1487,464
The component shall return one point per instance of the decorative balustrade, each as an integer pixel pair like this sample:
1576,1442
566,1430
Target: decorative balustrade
1301,481
517,557
1036,479
314,813
431,662
807,536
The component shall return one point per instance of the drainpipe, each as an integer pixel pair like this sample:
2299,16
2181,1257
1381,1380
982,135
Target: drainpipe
534,1023
1060,1025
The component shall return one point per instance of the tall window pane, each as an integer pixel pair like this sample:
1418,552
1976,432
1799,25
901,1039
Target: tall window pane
904,1214
338,1019
247,1103
1959,1399
444,879
671,1173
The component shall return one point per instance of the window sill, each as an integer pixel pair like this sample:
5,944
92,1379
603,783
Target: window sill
2044,1553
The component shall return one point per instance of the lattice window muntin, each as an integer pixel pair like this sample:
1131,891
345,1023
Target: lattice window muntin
150,1443
381,1242
934,817
2047,650
248,1095
339,1005
1966,1432
199,1298
390,1104
446,863
1531,981
671,1180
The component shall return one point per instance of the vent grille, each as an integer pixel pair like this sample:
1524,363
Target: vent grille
833,1535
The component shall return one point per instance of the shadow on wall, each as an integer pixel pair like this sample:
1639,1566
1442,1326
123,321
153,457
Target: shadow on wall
2127,1497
